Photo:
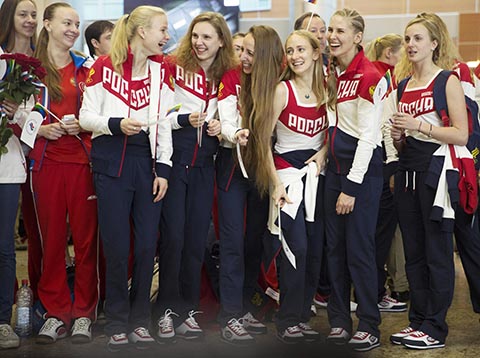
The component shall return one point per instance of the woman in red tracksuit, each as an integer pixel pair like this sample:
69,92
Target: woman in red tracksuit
62,183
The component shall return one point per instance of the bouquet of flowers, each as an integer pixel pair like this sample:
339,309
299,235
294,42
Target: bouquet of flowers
19,80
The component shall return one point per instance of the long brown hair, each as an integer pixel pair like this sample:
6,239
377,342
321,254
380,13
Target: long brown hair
126,29
358,25
7,16
256,101
225,59
52,80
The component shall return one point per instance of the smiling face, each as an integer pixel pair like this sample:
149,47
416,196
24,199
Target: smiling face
343,39
301,55
63,28
205,43
419,46
318,28
247,55
155,36
25,20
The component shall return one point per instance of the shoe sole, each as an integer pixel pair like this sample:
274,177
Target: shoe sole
200,337
366,349
238,343
80,339
293,341
396,341
257,331
141,346
433,346
117,347
393,310
172,340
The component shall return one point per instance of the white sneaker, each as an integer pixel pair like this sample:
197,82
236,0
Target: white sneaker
390,304
291,335
117,342
141,338
421,340
397,338
252,325
166,333
308,332
363,341
51,330
82,330
234,333
189,329
338,336
8,338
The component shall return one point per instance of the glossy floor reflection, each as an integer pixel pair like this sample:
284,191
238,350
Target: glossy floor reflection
463,340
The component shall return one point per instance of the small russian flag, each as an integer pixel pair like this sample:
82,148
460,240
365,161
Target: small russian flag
311,1
174,109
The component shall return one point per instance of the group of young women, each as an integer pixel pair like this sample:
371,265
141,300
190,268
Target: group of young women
290,138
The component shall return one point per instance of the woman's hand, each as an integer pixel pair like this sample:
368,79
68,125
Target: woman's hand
241,136
71,127
130,126
345,204
320,159
197,119
214,127
280,196
10,108
405,121
51,131
160,186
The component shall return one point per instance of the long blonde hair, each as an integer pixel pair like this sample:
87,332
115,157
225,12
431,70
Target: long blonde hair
126,29
225,59
52,80
256,101
358,25
444,55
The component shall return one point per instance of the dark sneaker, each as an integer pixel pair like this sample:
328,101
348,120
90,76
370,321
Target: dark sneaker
397,338
403,296
338,336
166,332
309,334
252,325
420,340
235,334
189,329
291,335
51,330
389,304
82,330
8,338
141,338
117,342
363,341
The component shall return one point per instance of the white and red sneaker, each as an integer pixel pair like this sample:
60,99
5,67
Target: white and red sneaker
166,332
338,336
189,329
421,340
291,335
141,338
117,342
51,330
397,338
309,334
252,325
363,341
390,304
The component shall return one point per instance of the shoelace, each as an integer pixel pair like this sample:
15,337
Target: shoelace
142,332
236,327
361,335
81,323
305,326
166,322
191,320
407,330
418,334
50,324
293,329
336,330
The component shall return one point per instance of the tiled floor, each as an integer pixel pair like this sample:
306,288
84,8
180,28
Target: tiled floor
463,340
